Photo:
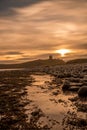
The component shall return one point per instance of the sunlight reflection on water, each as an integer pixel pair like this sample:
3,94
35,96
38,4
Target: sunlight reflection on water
55,107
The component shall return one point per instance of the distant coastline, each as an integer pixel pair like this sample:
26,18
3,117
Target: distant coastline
39,63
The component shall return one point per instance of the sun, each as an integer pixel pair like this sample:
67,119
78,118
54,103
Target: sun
62,52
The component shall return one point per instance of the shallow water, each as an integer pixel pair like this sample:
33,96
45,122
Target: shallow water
54,107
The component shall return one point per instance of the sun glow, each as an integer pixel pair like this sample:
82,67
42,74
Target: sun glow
62,52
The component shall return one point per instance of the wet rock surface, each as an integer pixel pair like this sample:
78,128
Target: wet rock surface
45,100
13,100
82,91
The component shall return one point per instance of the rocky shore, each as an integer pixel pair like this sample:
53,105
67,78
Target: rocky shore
47,98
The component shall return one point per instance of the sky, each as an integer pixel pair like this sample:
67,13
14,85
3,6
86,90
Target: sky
35,29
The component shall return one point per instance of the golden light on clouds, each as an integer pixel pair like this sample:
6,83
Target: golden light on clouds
63,30
34,29
62,52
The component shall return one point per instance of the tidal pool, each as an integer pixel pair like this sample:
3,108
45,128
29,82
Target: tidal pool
56,108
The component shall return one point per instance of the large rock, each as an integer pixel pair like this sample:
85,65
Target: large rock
66,85
82,91
74,88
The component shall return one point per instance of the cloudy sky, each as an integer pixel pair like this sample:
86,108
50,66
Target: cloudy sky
34,29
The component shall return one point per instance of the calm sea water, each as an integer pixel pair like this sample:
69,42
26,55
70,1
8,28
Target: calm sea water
11,69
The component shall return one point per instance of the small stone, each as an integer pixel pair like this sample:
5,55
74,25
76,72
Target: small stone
55,93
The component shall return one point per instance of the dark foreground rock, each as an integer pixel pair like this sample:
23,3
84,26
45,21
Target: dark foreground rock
66,85
82,91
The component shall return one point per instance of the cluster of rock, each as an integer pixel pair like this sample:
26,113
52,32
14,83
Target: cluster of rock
74,77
